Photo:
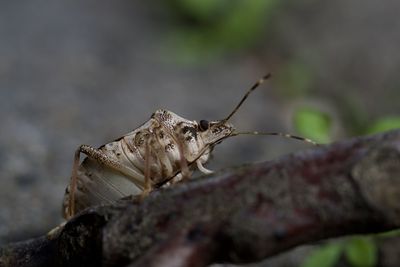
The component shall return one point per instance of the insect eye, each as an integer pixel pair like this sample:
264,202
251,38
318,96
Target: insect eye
203,125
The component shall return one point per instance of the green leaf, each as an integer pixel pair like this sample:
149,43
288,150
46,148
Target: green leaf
361,252
384,124
388,234
313,124
326,256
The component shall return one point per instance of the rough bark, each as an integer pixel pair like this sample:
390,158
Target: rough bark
238,215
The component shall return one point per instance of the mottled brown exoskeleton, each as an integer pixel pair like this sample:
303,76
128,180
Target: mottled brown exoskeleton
161,152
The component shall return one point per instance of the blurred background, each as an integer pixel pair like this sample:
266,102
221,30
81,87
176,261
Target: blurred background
86,72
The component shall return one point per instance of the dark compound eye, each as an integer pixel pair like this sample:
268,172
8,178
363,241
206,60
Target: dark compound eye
203,125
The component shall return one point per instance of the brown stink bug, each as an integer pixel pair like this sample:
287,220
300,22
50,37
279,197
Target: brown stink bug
161,152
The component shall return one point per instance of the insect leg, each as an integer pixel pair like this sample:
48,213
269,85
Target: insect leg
184,166
183,162
74,180
101,158
202,168
147,171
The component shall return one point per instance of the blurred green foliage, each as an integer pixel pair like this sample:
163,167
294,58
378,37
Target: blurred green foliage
313,124
325,256
209,28
384,124
393,233
357,251
361,252
200,10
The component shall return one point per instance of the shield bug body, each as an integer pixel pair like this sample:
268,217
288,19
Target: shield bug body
160,152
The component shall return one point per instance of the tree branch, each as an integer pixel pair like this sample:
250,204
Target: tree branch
238,215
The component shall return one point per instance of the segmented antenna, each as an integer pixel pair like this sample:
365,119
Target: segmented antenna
257,84
278,134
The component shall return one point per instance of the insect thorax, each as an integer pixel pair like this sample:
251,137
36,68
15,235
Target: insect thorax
166,139
195,140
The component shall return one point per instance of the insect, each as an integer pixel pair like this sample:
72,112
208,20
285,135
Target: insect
161,152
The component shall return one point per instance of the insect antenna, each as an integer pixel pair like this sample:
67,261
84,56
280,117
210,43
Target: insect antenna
291,136
257,84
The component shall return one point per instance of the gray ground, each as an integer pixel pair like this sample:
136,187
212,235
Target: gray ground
86,72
